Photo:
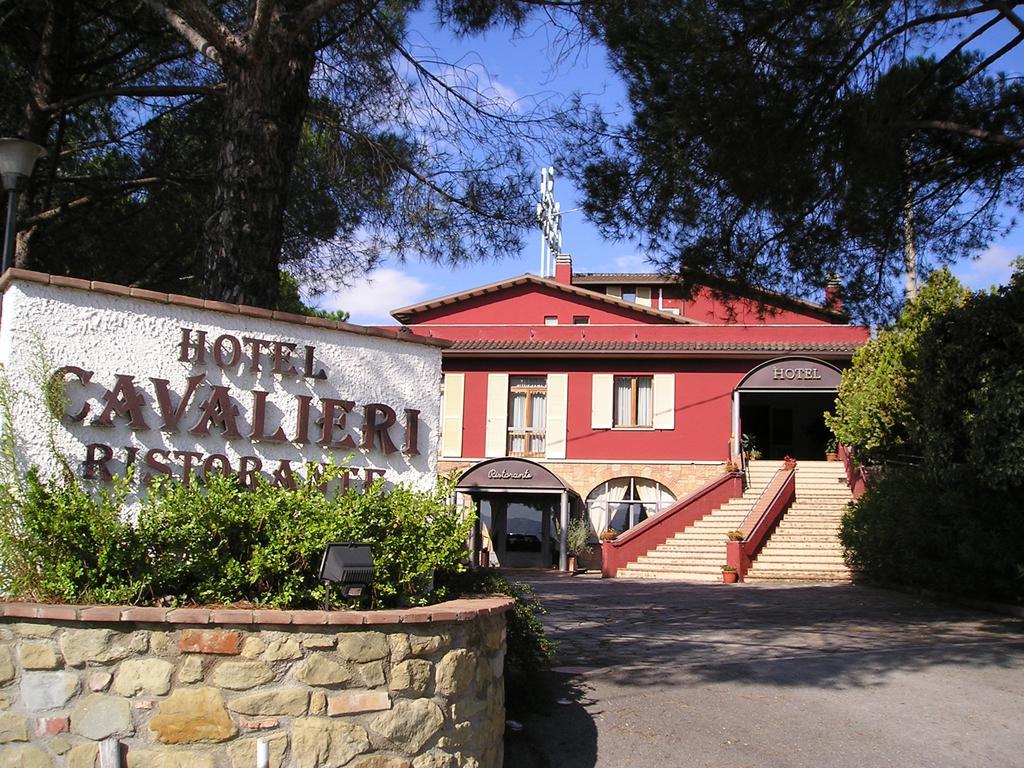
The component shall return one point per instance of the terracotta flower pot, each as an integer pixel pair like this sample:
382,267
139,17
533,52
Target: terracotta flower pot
730,577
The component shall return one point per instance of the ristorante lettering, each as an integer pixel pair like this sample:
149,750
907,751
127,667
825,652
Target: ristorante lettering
504,474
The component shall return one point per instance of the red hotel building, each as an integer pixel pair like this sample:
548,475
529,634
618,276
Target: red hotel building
611,395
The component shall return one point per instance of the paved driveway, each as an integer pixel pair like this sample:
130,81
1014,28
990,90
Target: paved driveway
753,676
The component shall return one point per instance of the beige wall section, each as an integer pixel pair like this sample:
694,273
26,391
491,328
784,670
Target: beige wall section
496,439
664,397
680,479
601,402
557,413
452,405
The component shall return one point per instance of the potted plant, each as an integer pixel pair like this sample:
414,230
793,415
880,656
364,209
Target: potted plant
832,449
749,444
729,574
788,462
577,541
731,466
734,535
608,534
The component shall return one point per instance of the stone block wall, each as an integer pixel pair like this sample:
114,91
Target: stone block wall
196,688
681,479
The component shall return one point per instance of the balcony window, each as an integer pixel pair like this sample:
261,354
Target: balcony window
527,415
632,404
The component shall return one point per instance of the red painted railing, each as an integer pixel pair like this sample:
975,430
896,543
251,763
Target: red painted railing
761,521
654,531
856,477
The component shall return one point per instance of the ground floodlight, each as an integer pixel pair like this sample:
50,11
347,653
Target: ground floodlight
348,564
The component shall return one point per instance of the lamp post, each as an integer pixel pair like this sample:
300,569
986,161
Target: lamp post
17,159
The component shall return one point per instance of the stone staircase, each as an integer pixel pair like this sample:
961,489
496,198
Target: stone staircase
698,553
803,547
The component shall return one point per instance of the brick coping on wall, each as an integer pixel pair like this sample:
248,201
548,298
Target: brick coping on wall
467,609
174,299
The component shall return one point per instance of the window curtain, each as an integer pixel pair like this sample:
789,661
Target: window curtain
538,421
644,411
517,421
623,401
652,494
603,502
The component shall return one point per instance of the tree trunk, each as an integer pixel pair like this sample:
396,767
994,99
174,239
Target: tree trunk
264,109
36,120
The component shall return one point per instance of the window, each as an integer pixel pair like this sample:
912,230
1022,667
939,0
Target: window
629,294
550,320
626,501
581,319
527,415
632,403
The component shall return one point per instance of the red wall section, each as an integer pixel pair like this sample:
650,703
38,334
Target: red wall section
706,307
530,304
703,402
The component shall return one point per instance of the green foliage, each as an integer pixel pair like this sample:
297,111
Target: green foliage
968,399
872,412
219,543
65,544
953,521
849,129
577,537
957,536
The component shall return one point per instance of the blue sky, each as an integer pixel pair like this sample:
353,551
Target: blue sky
523,67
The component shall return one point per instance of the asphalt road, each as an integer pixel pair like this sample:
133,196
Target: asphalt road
753,676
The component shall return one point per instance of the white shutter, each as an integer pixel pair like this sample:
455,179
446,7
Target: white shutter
558,404
601,404
643,295
454,398
664,400
614,290
496,439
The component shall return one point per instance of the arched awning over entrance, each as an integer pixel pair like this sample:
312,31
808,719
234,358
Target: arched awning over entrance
778,407
505,479
509,474
792,373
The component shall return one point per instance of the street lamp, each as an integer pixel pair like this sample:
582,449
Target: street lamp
17,159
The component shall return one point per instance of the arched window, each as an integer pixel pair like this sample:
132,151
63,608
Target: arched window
626,501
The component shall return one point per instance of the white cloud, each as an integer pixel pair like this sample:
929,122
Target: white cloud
632,262
370,299
992,267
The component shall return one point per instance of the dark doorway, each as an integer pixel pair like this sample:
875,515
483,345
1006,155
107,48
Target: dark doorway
520,530
787,423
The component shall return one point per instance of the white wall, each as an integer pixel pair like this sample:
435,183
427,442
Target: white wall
112,335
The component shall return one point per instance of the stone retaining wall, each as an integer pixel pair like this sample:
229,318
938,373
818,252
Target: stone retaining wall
196,688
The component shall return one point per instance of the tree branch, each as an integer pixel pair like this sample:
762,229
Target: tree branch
136,92
80,202
1016,142
200,28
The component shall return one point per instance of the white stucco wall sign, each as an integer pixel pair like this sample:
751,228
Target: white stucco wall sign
179,387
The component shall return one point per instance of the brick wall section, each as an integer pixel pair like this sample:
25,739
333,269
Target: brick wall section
680,479
196,688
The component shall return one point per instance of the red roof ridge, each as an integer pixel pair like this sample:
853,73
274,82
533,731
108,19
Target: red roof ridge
402,314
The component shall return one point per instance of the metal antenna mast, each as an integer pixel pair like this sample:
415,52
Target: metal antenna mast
549,217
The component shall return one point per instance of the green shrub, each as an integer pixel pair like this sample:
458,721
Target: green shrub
219,543
953,535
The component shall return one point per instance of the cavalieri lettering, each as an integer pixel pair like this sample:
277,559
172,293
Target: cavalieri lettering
504,474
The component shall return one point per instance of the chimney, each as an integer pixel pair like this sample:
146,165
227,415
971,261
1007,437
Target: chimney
833,300
563,269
